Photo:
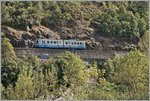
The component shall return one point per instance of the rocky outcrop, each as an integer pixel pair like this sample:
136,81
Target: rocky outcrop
14,35
81,31
113,43
45,32
20,38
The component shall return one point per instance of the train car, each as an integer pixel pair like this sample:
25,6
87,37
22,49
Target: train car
59,43
74,44
48,43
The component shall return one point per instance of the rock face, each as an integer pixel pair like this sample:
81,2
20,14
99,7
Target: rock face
45,32
20,38
81,31
15,36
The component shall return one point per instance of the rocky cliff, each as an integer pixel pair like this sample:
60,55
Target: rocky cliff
22,38
82,31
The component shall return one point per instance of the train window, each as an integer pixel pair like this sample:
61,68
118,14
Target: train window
74,43
66,43
77,43
43,41
47,41
54,42
51,42
37,42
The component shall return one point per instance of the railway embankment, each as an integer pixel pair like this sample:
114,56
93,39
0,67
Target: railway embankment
84,54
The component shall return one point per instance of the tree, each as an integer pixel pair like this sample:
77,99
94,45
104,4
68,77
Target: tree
9,63
24,86
8,53
101,89
32,83
3,91
122,19
50,78
130,73
144,42
71,71
40,87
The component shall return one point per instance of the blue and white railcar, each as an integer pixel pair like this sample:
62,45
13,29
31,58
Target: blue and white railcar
48,43
55,43
74,44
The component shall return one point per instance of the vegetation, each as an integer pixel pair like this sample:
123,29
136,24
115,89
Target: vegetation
127,19
67,76
122,19
144,42
9,63
130,74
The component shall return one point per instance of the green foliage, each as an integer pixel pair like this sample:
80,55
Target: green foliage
31,84
9,64
8,53
35,83
50,78
71,74
130,73
35,62
93,71
118,19
39,85
103,93
67,76
101,88
70,69
144,42
3,91
127,19
23,88
21,14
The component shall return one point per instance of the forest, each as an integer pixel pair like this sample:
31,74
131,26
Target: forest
67,76
127,19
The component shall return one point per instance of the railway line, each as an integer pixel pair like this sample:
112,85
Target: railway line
84,54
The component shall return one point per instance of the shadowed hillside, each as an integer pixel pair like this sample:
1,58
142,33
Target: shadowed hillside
107,24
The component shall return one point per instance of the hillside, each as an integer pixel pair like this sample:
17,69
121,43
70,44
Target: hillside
107,24
109,73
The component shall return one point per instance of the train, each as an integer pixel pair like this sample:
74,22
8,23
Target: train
59,43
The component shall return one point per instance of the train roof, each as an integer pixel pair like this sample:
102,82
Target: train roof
61,39
73,40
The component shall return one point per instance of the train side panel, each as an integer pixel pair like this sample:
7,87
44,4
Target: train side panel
53,43
73,44
49,43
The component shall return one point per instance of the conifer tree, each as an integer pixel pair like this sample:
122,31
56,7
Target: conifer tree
9,63
130,73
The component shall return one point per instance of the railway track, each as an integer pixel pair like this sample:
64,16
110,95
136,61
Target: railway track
85,54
